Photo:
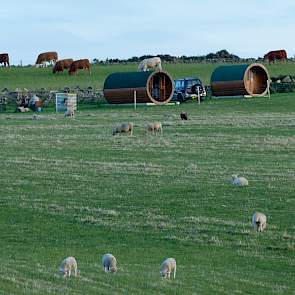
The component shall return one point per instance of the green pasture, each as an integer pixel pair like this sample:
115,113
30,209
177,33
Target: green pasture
36,78
70,188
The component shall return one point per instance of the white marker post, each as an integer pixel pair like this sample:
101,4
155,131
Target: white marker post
199,99
134,97
268,86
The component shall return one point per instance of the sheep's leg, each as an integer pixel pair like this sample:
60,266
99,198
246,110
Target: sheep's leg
69,272
174,274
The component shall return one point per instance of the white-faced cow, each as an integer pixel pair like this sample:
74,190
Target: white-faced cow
43,58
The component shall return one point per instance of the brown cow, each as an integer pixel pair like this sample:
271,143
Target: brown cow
46,57
272,56
4,58
61,65
81,64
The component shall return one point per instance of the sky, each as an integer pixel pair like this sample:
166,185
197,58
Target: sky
125,28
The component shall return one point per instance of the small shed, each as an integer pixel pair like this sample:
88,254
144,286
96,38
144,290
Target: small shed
156,87
235,80
63,101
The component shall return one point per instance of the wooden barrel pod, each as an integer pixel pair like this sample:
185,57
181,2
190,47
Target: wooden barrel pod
156,87
240,80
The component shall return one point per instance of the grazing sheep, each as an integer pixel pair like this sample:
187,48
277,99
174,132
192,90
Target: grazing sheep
239,180
36,117
167,267
259,221
124,128
109,263
155,127
22,109
183,116
70,112
69,264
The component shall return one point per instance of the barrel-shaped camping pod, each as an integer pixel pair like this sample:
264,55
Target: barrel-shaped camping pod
153,87
240,80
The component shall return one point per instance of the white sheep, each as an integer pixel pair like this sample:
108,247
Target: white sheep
70,112
109,263
167,267
123,128
155,127
68,265
23,109
259,221
239,180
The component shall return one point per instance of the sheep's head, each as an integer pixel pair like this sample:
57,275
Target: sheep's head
234,176
157,125
130,126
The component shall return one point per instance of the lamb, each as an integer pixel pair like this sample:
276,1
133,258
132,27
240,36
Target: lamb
259,221
155,127
68,265
239,180
23,109
70,112
109,263
123,128
167,267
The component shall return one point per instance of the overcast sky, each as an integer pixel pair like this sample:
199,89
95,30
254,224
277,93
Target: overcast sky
121,29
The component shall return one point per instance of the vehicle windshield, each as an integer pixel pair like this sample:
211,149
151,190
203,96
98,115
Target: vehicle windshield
179,84
193,82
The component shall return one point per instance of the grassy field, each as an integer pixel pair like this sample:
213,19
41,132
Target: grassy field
36,78
68,187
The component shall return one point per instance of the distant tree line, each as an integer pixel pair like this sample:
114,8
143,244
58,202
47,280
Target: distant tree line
222,55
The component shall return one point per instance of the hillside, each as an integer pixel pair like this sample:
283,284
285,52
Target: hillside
36,78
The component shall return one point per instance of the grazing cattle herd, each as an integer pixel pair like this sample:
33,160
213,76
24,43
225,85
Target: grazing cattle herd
51,58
